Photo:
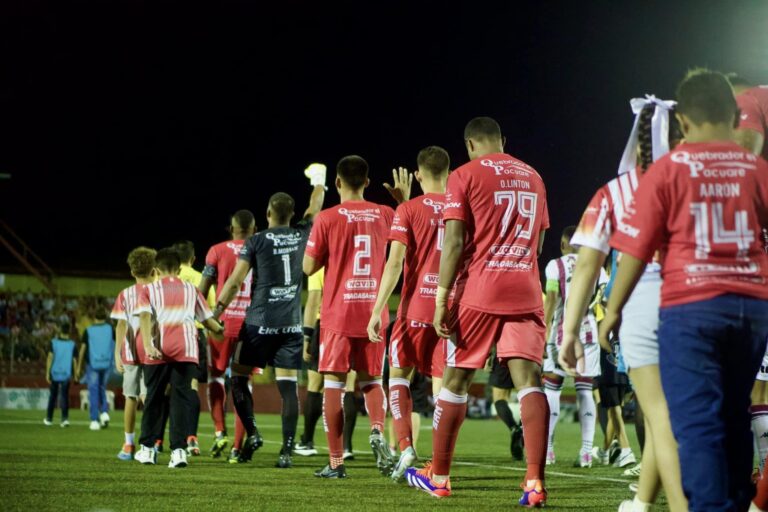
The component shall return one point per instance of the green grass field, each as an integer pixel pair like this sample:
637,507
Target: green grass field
50,468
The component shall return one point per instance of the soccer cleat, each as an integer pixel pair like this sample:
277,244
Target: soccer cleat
625,459
600,455
220,444
381,452
250,445
407,458
95,425
47,422
159,446
104,420
146,455
634,470
64,423
348,455
421,479
584,460
284,461
614,451
516,444
305,449
178,459
550,457
234,456
329,472
193,448
534,494
127,452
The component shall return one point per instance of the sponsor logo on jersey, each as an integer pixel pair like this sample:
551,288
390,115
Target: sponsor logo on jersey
402,229
283,291
360,284
281,239
437,206
419,325
518,251
367,215
433,279
454,204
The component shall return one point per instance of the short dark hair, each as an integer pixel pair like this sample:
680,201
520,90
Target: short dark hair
168,260
434,160
100,314
141,261
65,327
283,206
185,250
568,232
353,170
738,81
482,128
706,97
244,219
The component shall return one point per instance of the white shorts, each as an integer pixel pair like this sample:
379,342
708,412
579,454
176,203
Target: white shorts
762,373
591,361
133,381
640,323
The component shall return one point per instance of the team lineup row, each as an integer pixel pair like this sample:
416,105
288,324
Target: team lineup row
687,263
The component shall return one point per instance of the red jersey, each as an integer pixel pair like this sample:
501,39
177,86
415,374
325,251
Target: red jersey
703,205
350,241
753,104
418,225
503,203
219,264
176,304
132,348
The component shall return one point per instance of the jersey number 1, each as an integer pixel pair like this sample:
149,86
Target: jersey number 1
287,268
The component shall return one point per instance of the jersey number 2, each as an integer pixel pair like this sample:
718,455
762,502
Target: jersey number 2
362,250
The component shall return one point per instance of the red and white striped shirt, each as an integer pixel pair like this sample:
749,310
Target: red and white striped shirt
176,305
132,349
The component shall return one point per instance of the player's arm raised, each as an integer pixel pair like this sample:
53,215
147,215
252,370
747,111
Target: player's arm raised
585,274
316,174
392,272
453,247
402,180
231,287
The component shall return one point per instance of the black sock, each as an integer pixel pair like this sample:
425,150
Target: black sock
195,411
640,426
290,414
602,416
350,418
241,395
166,414
505,413
313,410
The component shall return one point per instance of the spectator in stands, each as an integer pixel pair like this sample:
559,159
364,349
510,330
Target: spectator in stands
98,345
59,371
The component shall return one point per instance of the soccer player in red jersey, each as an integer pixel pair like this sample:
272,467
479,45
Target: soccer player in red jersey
172,355
703,206
350,241
416,240
495,216
753,114
219,264
129,349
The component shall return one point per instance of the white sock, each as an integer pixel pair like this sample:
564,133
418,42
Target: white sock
760,431
129,438
587,417
553,397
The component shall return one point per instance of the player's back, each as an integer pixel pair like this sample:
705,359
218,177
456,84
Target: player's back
219,264
125,307
350,240
418,224
502,200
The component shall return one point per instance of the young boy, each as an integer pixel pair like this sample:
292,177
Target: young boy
59,370
704,205
129,349
172,355
98,346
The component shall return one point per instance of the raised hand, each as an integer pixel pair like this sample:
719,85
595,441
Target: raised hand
400,190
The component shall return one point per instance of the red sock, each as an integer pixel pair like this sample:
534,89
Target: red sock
375,403
333,420
534,414
216,396
450,411
402,405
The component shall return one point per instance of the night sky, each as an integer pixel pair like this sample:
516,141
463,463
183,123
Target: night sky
131,123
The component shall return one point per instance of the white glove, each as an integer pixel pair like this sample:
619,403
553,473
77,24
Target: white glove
316,174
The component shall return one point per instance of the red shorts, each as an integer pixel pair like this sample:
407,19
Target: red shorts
416,345
475,333
339,354
219,353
